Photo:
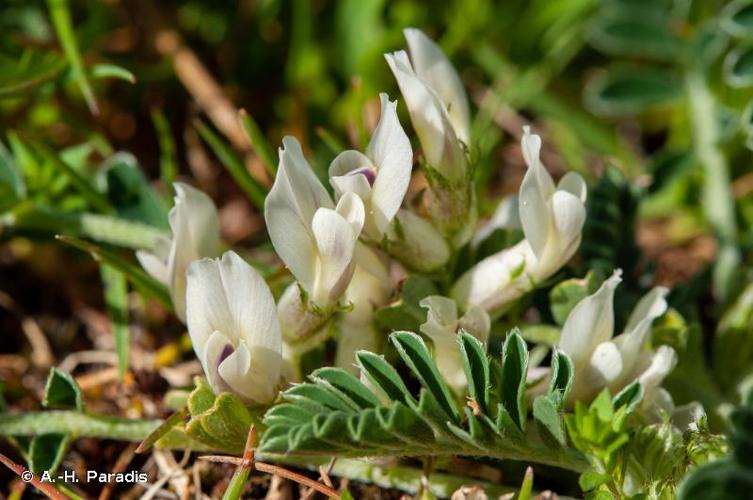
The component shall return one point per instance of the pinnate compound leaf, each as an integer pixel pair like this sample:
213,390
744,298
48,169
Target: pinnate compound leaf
335,414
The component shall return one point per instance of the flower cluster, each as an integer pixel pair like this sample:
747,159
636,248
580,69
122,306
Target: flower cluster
347,245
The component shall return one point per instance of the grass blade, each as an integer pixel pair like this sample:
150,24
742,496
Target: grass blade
258,142
61,19
255,192
116,300
168,161
135,275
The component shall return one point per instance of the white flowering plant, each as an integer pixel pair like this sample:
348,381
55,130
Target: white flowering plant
400,310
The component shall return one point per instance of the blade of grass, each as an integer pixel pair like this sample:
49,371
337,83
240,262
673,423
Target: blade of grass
258,142
168,158
135,275
116,300
234,165
61,20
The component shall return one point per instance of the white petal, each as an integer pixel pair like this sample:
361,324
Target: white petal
476,322
590,323
348,161
569,215
662,363
432,65
345,176
563,239
350,207
195,226
650,307
438,140
289,210
441,327
335,241
573,183
251,304
247,373
604,367
497,280
530,144
391,152
356,184
210,355
535,191
155,262
441,317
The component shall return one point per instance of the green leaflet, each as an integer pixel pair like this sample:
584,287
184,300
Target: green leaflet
335,414
47,451
514,369
218,422
547,408
61,391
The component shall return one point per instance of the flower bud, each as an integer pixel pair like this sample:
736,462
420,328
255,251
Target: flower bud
195,229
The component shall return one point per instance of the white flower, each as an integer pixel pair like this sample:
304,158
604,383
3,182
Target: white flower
381,176
437,103
442,326
312,236
601,361
552,218
195,234
232,321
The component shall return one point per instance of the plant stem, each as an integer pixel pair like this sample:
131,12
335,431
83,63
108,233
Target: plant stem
399,477
80,424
